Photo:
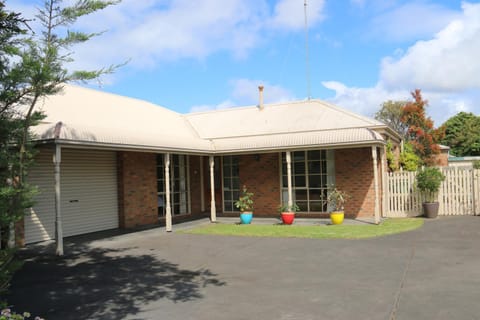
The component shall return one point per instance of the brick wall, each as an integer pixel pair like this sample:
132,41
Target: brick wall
441,159
260,173
354,175
195,185
137,189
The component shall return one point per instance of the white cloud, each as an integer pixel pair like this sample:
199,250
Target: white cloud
157,31
446,68
290,14
365,101
150,32
411,21
448,62
244,92
205,107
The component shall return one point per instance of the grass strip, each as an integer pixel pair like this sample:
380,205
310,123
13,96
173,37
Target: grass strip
360,231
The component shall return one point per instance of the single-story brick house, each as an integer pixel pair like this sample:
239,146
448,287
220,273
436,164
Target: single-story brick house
107,161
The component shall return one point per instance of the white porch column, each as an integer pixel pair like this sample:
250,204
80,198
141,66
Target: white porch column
57,159
168,208
375,181
384,181
289,178
213,210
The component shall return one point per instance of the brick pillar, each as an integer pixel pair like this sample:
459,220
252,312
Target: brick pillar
137,189
260,173
354,175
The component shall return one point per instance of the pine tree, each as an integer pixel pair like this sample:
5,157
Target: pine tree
34,68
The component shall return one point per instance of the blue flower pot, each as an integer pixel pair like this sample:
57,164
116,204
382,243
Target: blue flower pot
246,217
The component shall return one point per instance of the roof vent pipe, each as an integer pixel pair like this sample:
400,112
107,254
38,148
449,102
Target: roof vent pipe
260,97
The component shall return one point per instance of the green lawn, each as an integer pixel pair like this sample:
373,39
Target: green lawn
388,227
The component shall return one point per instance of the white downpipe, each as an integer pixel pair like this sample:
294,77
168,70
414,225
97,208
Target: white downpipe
57,159
375,181
289,179
168,208
213,210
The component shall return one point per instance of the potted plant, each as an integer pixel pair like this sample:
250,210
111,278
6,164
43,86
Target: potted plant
288,212
336,200
428,182
245,204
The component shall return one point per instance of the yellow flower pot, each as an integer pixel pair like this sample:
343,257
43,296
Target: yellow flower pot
337,217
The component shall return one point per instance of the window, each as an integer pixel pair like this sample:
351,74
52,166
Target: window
231,183
312,172
179,187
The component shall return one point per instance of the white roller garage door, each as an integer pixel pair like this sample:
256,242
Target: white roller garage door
88,194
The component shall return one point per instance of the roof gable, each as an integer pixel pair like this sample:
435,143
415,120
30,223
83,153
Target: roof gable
299,116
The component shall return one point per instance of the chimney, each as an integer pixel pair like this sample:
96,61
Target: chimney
260,97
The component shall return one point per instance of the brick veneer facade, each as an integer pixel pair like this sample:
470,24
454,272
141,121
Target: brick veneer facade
137,189
354,175
137,185
260,173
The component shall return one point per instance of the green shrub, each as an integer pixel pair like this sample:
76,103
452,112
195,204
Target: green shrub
428,182
476,164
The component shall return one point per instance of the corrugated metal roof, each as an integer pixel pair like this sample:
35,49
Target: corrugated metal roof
93,117
298,116
97,117
318,139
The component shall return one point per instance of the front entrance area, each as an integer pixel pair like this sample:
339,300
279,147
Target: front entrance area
179,185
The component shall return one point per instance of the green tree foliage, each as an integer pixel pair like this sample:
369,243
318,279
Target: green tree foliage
408,158
391,114
392,161
421,133
462,134
33,66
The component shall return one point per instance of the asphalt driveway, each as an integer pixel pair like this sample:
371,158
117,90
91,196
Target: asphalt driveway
430,273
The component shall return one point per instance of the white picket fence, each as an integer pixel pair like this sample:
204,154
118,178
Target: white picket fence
459,194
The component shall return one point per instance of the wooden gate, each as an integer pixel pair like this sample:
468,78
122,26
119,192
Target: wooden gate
459,194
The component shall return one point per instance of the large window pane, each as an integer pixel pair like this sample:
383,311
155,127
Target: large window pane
312,172
300,181
301,195
314,181
299,167
178,184
314,167
231,182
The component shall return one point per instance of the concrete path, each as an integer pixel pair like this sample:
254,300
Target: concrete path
430,273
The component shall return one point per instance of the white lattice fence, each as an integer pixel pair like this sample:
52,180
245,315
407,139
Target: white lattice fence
459,194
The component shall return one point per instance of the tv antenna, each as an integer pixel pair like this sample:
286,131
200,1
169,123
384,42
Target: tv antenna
307,64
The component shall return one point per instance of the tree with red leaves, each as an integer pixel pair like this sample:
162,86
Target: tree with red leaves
421,133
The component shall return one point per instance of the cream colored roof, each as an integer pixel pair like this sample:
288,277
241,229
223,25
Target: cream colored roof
95,118
298,116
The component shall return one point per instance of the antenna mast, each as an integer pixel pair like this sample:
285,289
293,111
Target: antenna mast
307,64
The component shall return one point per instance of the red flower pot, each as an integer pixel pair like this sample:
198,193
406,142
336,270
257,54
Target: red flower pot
288,217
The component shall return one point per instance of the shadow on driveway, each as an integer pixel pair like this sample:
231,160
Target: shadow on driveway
100,283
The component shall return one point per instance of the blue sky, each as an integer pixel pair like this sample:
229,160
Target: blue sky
210,54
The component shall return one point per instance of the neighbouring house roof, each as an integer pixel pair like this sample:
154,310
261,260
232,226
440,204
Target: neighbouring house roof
94,118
